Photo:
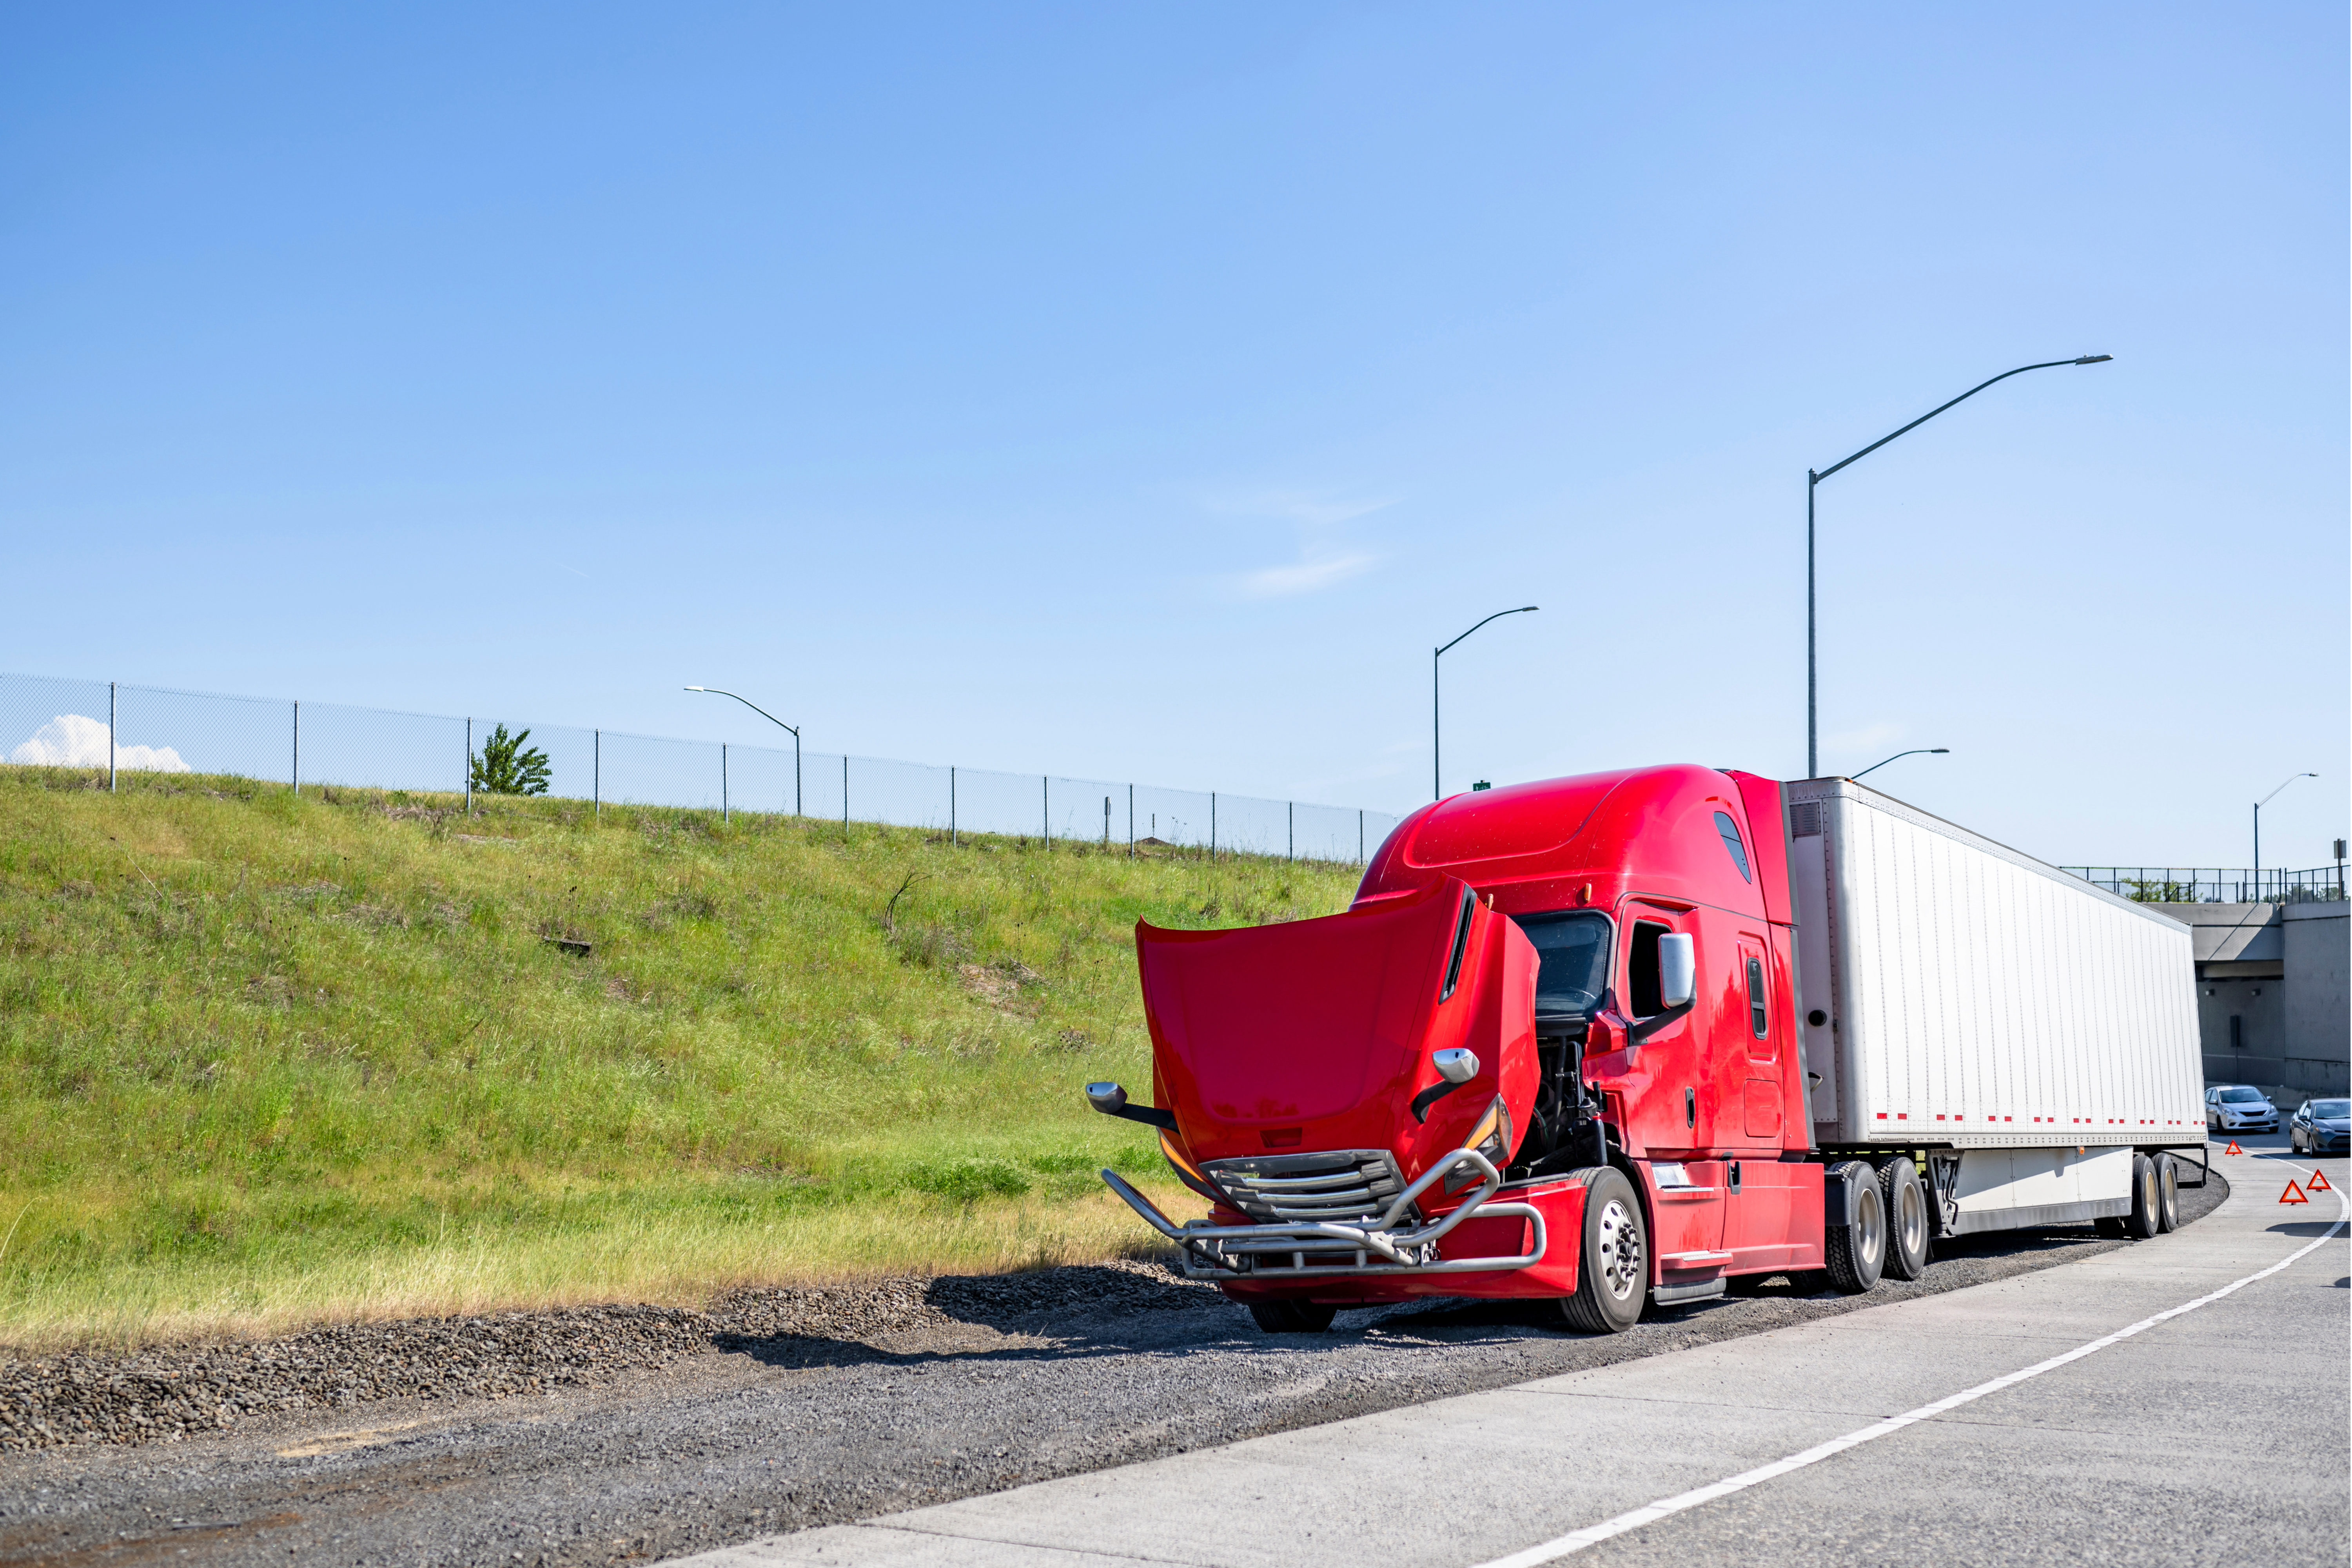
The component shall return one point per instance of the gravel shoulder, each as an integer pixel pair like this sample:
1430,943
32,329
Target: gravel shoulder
620,1434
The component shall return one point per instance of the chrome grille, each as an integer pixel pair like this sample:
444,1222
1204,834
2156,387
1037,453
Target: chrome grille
1344,1184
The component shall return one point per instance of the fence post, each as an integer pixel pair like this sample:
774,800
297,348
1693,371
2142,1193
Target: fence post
112,708
1359,837
469,765
722,781
298,748
845,797
1130,822
1046,794
953,842
1213,824
1105,824
1294,831
596,774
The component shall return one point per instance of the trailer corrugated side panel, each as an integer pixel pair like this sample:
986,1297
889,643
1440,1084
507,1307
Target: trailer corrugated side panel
1972,995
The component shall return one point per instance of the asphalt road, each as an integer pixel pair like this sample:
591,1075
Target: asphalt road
991,1385
2066,1416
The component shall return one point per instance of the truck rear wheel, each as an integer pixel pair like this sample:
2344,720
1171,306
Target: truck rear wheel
1285,1317
2168,1187
1906,1216
2147,1200
1856,1252
1612,1264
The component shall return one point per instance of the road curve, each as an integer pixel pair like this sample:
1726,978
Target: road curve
2152,1435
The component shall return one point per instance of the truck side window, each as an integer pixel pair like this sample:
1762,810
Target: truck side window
1731,831
1642,970
1758,1019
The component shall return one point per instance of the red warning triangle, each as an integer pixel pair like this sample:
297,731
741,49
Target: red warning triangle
2319,1183
2233,1148
2293,1194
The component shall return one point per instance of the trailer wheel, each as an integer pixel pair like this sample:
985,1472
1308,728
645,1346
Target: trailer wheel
2147,1200
1612,1265
1856,1251
1286,1317
1906,1216
2168,1187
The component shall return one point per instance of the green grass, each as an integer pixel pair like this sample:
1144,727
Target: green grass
267,1059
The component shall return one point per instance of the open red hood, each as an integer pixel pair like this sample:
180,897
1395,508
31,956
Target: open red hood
1318,1035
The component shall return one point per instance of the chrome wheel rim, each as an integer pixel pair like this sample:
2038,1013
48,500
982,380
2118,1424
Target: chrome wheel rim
1619,1250
1911,1219
1870,1225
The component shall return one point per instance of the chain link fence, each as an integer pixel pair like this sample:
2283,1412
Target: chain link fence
2210,885
97,724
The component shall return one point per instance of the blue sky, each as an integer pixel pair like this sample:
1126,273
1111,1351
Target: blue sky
1142,392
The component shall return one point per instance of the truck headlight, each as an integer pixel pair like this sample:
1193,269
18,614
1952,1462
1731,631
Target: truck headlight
1188,1173
1492,1138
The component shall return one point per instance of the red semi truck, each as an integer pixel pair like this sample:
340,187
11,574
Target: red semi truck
1643,1037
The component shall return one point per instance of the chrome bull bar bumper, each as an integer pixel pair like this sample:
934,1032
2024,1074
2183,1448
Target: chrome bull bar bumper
1395,1243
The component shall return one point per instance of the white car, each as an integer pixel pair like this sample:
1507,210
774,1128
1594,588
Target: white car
2239,1108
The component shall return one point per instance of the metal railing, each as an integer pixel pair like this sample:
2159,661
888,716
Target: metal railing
2209,885
113,729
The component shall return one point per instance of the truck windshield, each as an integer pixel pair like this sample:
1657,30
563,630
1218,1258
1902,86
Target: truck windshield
1574,947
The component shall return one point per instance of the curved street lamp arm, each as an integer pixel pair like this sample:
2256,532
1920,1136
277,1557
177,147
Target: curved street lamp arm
1497,615
2275,794
1963,398
1914,752
754,707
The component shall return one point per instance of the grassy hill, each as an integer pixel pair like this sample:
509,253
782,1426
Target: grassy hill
265,1060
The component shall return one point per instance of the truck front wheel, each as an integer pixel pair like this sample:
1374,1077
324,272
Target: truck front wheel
1284,1317
1906,1216
1612,1266
1855,1251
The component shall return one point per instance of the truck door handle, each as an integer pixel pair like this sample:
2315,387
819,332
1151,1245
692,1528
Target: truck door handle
1690,1108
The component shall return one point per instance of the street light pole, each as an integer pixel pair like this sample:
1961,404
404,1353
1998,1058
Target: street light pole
780,724
1812,482
1914,752
1436,770
2258,831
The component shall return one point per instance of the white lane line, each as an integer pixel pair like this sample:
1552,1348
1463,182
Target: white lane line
1594,1534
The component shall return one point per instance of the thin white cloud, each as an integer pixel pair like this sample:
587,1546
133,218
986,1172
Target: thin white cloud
1310,576
1308,507
70,740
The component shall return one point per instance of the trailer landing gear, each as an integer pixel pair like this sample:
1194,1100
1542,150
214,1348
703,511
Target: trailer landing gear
1612,1266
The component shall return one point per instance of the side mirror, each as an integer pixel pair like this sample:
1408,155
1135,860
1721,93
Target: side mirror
1107,1098
1677,970
1456,1066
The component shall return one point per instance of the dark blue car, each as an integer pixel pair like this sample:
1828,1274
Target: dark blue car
2320,1127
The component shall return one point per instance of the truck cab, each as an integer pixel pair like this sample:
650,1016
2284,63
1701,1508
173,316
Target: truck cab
1541,994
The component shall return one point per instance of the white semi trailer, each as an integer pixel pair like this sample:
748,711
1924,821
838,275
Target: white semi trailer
2034,1036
